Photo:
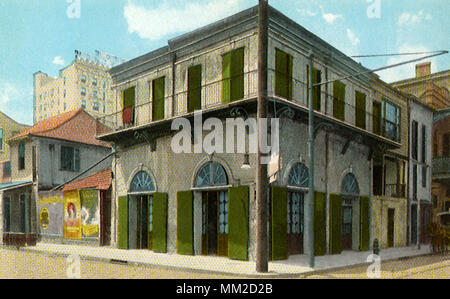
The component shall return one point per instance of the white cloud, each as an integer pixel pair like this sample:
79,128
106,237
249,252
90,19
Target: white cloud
156,23
58,60
329,17
410,19
354,40
407,70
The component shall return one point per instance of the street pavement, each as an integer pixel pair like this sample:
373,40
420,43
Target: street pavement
58,261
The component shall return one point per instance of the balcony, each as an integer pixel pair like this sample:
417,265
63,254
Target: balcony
395,190
441,168
140,115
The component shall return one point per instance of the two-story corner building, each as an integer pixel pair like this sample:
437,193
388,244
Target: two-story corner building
84,83
8,128
200,202
390,166
420,170
43,157
441,166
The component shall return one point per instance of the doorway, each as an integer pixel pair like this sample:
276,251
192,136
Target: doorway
295,215
390,228
139,222
346,226
215,223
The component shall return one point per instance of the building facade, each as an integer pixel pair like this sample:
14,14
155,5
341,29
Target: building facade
43,158
85,83
8,128
420,170
197,201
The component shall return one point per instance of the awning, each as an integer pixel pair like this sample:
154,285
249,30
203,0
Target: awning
14,185
99,181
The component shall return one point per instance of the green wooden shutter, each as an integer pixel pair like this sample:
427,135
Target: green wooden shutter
339,100
319,224
185,223
237,74
279,223
283,74
195,88
376,111
364,223
238,222
123,223
158,89
159,233
335,224
226,74
129,97
360,109
316,78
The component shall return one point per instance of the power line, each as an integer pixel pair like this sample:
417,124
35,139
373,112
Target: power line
396,54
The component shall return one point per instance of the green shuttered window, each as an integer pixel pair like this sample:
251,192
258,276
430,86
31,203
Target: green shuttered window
376,114
159,233
360,109
123,222
194,88
339,100
158,93
279,223
128,97
319,224
316,75
238,230
185,223
364,223
233,75
283,74
335,224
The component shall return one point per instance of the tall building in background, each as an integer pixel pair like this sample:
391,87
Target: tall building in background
85,83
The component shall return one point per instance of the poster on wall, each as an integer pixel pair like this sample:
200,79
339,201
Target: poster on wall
90,212
72,215
51,213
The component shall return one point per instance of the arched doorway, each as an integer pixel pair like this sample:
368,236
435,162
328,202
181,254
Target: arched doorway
212,181
350,195
140,211
297,187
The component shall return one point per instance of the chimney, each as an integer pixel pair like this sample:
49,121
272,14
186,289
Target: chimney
423,69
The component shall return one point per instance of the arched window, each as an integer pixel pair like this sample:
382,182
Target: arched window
212,174
350,184
142,182
299,175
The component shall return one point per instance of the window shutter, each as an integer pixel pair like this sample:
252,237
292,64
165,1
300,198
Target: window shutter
376,111
279,223
335,224
159,233
226,74
283,74
238,222
339,100
158,98
364,223
194,88
128,97
360,109
316,78
237,74
123,223
319,224
185,223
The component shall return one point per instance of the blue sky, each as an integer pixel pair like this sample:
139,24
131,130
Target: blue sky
43,34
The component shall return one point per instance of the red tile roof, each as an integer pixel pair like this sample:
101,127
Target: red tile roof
100,181
76,126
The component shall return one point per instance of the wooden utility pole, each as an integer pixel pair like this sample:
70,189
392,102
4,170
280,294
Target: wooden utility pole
261,169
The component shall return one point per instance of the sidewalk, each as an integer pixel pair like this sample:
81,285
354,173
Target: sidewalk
295,265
